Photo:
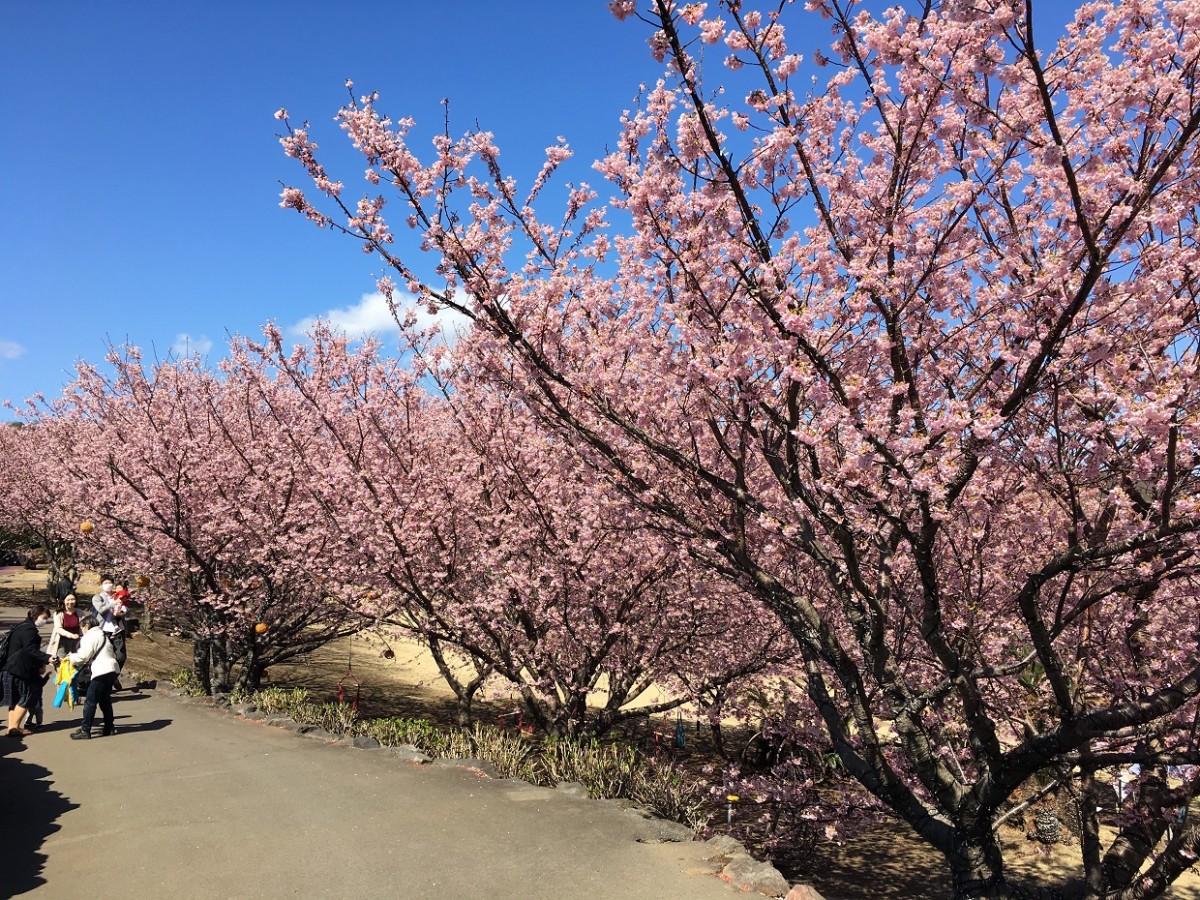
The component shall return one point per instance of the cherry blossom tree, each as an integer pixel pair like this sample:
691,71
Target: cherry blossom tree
31,513
468,530
186,483
909,353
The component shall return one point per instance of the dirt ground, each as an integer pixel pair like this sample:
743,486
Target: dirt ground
884,862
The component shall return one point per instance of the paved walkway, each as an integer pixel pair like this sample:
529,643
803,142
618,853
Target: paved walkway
185,801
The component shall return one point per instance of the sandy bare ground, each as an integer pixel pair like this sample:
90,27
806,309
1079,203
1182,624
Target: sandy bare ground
884,862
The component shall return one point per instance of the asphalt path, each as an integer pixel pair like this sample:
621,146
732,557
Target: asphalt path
188,801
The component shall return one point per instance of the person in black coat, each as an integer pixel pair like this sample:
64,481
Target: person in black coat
61,588
22,673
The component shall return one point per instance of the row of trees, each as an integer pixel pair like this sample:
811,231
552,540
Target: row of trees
290,498
908,353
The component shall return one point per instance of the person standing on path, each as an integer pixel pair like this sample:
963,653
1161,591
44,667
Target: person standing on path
95,650
110,611
64,638
61,587
23,669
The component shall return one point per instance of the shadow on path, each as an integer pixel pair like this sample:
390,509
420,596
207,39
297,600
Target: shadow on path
29,813
156,725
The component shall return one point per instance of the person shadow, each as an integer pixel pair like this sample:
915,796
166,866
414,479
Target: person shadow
155,725
29,812
122,724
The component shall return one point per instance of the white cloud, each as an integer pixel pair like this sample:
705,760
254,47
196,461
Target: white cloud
186,345
10,349
371,317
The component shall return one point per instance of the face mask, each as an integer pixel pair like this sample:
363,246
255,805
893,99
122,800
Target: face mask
42,622
106,587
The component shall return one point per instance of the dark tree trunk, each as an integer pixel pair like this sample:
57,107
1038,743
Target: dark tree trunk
250,676
718,739
219,649
201,663
977,866
464,694
1137,840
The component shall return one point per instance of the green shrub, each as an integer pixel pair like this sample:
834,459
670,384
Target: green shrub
185,680
280,700
453,743
513,756
606,770
336,718
240,695
611,771
664,790
395,731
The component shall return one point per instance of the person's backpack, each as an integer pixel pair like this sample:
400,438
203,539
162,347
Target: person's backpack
83,675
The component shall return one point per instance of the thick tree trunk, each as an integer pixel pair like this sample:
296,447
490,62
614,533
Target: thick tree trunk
201,663
220,666
61,571
564,717
536,715
718,739
576,712
464,714
977,866
1138,838
250,676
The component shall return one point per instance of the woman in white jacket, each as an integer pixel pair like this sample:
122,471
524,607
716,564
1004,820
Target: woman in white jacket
95,648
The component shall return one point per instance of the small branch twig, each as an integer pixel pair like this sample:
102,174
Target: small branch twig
1021,807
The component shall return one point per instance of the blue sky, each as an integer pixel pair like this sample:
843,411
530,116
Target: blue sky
141,167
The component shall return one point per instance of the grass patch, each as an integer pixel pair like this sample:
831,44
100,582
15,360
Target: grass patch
185,680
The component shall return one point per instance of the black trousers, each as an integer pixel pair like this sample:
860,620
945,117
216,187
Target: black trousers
99,693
